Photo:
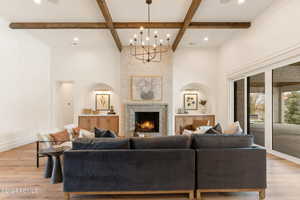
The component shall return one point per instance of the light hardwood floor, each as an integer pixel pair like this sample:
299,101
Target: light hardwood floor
18,171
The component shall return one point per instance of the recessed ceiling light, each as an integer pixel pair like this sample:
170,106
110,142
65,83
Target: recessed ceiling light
38,2
205,39
241,1
75,39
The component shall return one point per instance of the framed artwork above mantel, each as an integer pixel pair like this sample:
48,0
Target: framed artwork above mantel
146,88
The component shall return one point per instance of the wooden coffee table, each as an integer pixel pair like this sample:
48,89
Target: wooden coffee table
53,168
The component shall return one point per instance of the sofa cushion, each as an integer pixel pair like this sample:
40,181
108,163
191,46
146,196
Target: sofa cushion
100,143
169,142
221,141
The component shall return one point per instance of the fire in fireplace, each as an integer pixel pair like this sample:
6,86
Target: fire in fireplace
147,122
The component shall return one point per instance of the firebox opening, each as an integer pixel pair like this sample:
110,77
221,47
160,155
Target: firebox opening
147,122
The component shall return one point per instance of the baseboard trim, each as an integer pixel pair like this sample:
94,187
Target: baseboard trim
285,156
16,142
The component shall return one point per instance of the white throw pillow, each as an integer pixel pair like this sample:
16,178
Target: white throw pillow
44,137
69,129
65,145
86,134
202,129
234,128
187,132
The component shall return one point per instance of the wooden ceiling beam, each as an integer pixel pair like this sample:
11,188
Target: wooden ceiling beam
187,20
129,25
109,22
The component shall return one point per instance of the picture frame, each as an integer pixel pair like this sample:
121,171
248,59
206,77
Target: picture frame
102,102
190,101
146,88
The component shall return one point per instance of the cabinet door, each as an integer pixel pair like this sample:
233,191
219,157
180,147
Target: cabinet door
114,124
109,123
84,123
93,123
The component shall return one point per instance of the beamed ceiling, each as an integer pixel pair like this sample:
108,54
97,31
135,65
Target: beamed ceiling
188,21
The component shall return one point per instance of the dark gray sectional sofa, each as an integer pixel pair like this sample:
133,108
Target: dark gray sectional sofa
165,165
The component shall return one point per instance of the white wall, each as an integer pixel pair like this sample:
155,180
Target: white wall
85,67
195,65
24,86
133,67
272,32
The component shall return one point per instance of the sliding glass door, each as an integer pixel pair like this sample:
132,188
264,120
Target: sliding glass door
256,107
286,110
239,102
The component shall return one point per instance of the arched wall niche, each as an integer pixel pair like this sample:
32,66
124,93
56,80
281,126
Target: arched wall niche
101,87
203,93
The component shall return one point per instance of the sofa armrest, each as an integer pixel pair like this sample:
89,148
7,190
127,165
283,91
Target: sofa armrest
129,170
236,168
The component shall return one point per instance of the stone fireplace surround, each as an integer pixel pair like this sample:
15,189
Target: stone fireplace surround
132,108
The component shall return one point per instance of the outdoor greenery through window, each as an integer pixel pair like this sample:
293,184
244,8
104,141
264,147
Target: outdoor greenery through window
286,109
256,107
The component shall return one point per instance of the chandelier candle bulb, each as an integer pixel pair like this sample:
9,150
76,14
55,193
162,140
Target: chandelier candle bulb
149,48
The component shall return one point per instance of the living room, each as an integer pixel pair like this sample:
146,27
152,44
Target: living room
197,85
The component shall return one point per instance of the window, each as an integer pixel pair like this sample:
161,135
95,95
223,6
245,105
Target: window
256,107
286,109
239,102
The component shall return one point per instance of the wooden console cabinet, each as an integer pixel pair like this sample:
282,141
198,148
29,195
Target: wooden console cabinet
105,122
182,120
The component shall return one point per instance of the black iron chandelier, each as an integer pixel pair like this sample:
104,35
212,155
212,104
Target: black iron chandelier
148,49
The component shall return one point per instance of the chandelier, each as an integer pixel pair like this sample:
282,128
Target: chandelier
148,48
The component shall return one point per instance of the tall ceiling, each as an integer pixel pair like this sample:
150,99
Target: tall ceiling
129,10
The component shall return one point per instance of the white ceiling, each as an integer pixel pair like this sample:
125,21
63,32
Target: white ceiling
129,10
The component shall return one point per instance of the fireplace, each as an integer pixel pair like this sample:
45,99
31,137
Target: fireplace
146,118
147,122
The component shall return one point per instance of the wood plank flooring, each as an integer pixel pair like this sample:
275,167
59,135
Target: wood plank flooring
20,179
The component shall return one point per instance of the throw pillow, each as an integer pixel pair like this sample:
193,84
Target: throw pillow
202,129
60,137
76,133
234,128
217,129
100,133
187,132
86,134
